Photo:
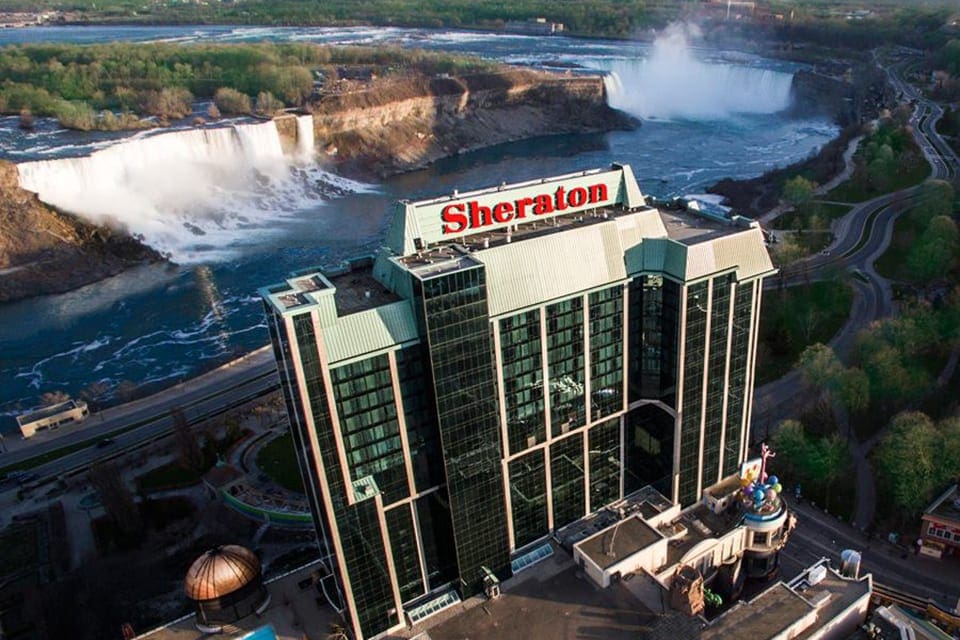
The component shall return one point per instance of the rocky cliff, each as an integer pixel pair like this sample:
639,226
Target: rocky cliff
44,251
849,99
396,126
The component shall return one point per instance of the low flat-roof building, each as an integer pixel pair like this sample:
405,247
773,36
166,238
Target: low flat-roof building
818,604
51,417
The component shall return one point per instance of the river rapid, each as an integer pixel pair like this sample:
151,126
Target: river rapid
236,214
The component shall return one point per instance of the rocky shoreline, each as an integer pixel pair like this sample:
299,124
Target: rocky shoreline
45,251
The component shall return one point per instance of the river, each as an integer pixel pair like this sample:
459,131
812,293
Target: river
706,114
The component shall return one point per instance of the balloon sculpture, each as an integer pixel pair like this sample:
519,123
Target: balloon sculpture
757,487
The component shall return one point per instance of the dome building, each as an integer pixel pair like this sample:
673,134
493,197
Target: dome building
225,584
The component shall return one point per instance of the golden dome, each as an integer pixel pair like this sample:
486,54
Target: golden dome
220,571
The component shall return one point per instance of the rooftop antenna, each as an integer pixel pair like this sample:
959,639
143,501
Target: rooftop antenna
621,514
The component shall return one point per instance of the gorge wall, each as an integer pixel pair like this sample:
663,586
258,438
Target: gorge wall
398,126
46,251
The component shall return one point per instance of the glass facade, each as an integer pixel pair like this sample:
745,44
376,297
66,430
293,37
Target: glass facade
522,362
358,525
604,442
528,498
716,379
739,367
606,352
654,319
695,346
406,555
458,331
565,357
436,535
369,427
423,436
441,426
648,444
567,477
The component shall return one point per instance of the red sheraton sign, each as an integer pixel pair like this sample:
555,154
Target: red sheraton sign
460,216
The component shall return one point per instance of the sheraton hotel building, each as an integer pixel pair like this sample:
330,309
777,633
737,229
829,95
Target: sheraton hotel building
513,360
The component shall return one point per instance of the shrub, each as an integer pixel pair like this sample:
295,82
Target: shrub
171,102
231,101
267,104
76,115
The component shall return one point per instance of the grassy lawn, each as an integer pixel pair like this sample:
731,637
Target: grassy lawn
796,317
859,188
813,241
802,215
893,263
168,476
18,548
278,459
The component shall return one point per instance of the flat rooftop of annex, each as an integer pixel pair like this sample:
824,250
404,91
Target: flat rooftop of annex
620,541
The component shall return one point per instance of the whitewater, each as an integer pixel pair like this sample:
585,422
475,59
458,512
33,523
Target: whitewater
236,211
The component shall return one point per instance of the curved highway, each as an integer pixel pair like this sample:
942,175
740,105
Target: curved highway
861,237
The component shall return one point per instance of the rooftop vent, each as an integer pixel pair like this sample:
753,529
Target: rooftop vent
816,575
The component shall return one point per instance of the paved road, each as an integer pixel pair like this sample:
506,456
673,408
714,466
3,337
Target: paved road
818,535
236,383
861,237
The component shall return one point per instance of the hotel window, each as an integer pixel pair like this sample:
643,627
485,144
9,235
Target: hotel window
522,379
566,365
606,351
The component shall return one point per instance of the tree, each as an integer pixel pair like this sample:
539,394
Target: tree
169,102
814,461
826,459
854,391
188,445
949,451
54,397
94,392
907,461
232,102
820,367
936,199
935,252
267,104
117,500
798,190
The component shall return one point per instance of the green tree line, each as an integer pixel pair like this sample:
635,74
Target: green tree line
76,83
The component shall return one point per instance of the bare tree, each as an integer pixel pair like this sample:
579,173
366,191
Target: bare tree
54,397
126,389
117,499
94,393
188,445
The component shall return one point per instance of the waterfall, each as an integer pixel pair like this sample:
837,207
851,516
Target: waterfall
198,195
305,141
673,83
